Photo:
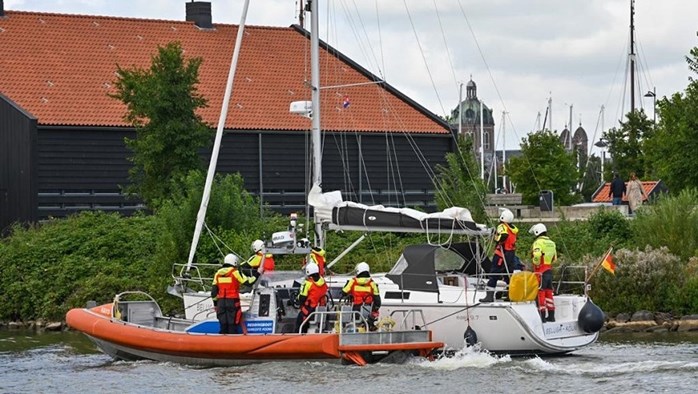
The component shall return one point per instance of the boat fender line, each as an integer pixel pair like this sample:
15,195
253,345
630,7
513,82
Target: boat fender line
469,335
590,318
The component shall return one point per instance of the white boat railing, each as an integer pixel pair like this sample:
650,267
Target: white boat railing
198,277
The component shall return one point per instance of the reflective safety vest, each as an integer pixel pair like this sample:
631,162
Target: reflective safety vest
509,243
362,290
228,280
314,292
318,257
256,261
543,254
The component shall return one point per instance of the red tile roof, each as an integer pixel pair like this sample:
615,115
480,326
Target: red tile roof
601,194
60,68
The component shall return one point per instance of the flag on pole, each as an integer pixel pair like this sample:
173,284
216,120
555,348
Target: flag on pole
608,263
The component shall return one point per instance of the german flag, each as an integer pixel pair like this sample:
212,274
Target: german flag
608,263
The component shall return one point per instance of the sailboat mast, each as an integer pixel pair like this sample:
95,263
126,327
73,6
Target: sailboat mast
201,216
504,151
315,87
482,141
632,55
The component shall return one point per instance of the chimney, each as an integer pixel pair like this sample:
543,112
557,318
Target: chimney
199,12
2,8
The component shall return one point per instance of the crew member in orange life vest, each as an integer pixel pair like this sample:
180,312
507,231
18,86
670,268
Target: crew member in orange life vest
317,255
226,294
259,259
312,294
364,291
504,258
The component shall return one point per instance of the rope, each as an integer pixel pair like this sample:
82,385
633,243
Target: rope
449,315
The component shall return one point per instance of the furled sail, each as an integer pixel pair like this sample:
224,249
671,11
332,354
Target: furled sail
333,211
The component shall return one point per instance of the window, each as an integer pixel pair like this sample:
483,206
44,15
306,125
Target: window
486,142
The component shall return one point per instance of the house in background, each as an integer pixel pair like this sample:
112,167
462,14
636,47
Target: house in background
62,137
652,189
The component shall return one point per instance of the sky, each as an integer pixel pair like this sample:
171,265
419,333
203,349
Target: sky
519,53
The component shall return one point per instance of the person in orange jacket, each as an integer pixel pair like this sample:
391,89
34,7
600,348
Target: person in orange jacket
313,293
226,295
504,260
364,294
259,261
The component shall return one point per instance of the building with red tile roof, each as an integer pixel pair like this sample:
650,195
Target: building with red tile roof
651,188
61,134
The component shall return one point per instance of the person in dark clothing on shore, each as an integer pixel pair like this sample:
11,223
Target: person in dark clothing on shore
617,189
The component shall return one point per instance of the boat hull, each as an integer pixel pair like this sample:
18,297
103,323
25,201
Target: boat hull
128,341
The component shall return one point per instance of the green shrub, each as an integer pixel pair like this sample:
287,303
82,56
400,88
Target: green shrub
671,222
644,280
45,266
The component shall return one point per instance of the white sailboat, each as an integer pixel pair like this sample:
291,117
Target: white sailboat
443,281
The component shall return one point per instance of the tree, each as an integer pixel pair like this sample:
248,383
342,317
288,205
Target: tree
544,165
457,183
161,105
670,150
625,144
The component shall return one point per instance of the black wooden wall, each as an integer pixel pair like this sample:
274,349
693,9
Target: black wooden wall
80,169
17,165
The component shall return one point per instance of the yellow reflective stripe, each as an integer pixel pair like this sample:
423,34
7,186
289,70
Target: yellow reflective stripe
225,279
256,261
347,287
363,289
305,289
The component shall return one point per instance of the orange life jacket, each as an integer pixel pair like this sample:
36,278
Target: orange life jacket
227,282
319,258
316,292
361,293
268,263
509,243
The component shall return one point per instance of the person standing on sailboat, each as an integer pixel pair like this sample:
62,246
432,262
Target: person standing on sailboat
543,254
226,294
503,262
313,294
259,259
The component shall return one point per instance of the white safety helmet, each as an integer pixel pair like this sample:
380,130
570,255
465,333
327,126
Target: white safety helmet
506,216
231,259
362,267
311,268
257,245
538,229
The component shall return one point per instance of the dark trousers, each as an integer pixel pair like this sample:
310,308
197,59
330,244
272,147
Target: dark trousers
229,315
499,268
304,312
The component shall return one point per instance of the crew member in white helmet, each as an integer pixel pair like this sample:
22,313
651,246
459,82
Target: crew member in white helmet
503,262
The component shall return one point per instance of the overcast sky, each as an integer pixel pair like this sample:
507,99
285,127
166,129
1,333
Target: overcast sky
573,51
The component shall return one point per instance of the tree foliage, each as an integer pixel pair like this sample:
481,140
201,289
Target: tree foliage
669,150
457,183
544,165
625,144
161,104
